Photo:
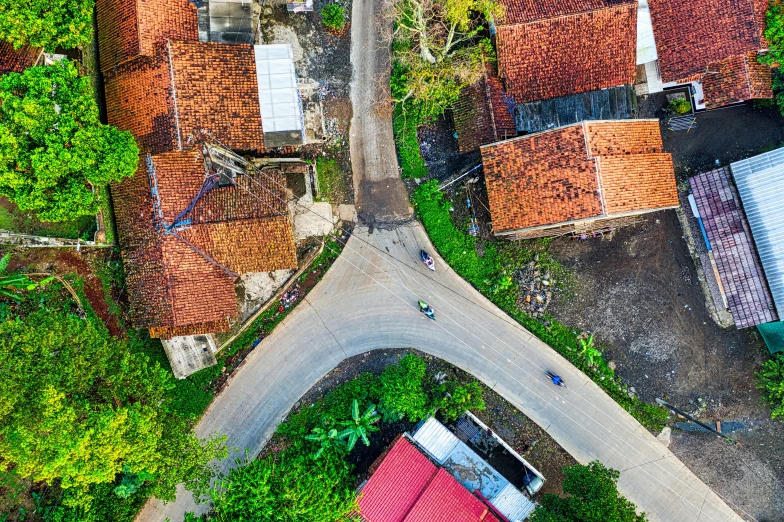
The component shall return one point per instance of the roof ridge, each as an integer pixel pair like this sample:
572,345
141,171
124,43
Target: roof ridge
174,94
573,14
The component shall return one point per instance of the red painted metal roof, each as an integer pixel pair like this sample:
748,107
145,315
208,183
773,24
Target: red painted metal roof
407,487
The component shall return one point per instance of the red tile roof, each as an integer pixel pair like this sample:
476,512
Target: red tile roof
17,60
736,79
482,114
520,11
407,487
182,281
186,87
691,35
581,52
130,28
587,170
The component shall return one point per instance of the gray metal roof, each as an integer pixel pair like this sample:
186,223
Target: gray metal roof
512,503
436,439
760,182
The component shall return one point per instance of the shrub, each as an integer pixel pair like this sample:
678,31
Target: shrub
405,124
402,389
334,16
770,379
679,106
461,399
592,497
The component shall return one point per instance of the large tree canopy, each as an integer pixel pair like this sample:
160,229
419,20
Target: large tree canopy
46,23
79,408
593,497
53,148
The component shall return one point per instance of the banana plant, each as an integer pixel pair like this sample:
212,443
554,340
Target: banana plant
359,426
10,284
327,436
591,354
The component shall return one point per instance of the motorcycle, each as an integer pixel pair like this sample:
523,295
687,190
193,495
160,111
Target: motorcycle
427,260
425,309
557,380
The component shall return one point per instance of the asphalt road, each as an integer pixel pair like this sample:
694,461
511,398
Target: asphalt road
368,300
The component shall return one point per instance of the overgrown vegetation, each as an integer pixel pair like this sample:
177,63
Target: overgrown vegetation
85,413
490,274
592,496
774,35
55,154
679,106
46,23
406,118
333,16
770,379
309,478
331,181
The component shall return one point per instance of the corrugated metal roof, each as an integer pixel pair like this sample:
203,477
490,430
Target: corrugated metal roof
278,95
436,439
512,504
773,334
760,182
646,45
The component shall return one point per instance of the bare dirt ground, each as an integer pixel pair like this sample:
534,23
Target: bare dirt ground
525,436
639,294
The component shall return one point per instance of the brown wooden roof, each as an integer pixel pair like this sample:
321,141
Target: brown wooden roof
585,51
521,11
691,35
482,113
587,170
17,60
736,79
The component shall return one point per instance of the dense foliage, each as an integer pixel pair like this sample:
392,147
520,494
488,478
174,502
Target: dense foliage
770,379
79,408
46,23
54,151
290,486
489,273
333,16
403,393
592,497
774,34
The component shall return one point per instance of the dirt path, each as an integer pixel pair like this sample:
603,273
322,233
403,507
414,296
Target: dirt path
379,192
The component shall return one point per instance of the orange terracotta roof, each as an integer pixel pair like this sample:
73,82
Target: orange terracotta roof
17,60
571,54
482,113
131,28
588,170
691,35
520,11
184,88
181,280
736,79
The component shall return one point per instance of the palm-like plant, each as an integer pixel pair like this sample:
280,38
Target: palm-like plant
359,426
10,284
327,436
591,354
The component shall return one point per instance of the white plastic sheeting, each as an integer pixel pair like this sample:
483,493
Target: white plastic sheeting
646,44
278,96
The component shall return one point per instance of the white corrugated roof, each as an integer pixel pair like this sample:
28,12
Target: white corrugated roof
278,95
512,503
760,182
436,439
646,44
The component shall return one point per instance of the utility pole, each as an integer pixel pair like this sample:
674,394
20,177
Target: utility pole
695,421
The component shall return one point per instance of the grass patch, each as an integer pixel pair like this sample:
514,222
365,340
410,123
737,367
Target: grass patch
331,182
490,273
405,122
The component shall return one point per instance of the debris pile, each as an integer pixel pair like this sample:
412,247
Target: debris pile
536,288
289,297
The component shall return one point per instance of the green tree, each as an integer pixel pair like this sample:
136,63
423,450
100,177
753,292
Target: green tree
333,16
54,151
77,408
774,34
402,390
770,379
290,486
46,23
461,399
359,426
592,497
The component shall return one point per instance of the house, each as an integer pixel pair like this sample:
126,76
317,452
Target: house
582,177
17,60
741,214
711,45
196,215
432,475
558,63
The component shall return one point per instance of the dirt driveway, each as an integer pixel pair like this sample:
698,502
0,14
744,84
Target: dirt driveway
640,295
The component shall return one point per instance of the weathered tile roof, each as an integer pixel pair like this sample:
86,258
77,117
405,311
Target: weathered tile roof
181,279
185,87
17,60
483,114
588,170
736,257
521,11
691,35
580,52
736,79
131,28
